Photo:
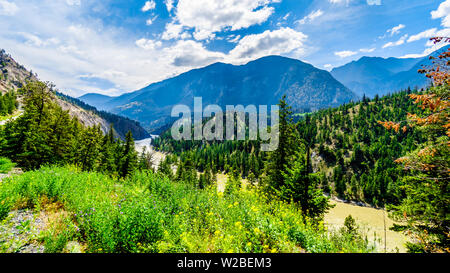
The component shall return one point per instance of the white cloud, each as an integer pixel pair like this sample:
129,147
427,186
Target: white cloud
207,17
234,38
151,20
397,43
374,2
8,8
432,32
328,66
395,30
169,5
192,54
149,5
63,49
73,2
422,35
284,41
173,31
426,52
310,17
74,53
443,12
345,53
148,44
367,50
277,42
287,16
369,2
339,1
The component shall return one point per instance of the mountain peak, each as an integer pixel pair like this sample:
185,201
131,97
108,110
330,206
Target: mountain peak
376,75
260,82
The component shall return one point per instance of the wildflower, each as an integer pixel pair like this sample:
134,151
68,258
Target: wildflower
256,230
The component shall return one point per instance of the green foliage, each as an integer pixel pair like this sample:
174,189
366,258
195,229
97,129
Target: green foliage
426,186
8,103
301,187
352,153
149,213
46,135
279,159
6,165
234,183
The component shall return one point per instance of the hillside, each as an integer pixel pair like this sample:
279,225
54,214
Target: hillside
353,154
373,75
121,124
261,82
14,76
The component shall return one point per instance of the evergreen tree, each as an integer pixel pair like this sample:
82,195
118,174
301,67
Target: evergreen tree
279,159
129,157
303,187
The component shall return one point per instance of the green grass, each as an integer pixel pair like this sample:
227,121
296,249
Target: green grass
13,115
6,165
149,213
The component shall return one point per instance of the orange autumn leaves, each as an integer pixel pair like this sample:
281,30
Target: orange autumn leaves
436,105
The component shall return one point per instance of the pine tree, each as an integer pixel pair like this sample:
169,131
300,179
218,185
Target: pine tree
129,156
107,160
279,159
303,187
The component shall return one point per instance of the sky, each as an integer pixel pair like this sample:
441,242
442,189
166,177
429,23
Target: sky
118,46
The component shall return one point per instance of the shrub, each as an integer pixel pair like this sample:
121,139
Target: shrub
149,213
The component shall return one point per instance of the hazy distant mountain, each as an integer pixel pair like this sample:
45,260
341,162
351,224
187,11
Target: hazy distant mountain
374,75
97,100
261,82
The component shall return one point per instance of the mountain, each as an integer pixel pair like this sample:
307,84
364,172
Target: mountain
96,99
121,124
260,82
14,76
374,75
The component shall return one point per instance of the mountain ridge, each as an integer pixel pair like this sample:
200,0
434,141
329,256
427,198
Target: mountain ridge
260,82
372,76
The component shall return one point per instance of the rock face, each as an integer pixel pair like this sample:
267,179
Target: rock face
14,76
87,118
261,82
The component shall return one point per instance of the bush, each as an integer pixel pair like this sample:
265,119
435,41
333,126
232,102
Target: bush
6,165
149,213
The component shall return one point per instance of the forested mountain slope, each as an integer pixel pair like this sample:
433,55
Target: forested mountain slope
351,153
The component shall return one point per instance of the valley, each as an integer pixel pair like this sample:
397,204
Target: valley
78,178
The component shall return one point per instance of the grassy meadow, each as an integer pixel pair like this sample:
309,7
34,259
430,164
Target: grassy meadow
147,213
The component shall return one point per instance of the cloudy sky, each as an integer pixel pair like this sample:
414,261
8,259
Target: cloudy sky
117,46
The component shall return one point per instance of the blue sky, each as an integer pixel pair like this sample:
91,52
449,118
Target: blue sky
117,46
